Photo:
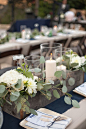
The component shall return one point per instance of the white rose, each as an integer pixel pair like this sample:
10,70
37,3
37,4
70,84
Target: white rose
76,59
59,59
83,59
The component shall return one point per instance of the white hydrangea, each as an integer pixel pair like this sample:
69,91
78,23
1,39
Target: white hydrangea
10,77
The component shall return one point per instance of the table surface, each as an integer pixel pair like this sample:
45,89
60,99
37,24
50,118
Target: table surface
78,115
25,46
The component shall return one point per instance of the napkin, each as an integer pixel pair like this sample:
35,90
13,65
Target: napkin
46,121
81,88
20,40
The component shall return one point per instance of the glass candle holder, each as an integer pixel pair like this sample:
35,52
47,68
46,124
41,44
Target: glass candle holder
48,51
63,56
33,62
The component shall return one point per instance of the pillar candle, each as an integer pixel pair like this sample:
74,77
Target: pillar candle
50,69
61,67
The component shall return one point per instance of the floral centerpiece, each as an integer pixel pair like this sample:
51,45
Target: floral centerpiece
16,85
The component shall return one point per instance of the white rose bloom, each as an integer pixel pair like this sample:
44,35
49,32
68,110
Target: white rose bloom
59,59
76,59
31,87
83,59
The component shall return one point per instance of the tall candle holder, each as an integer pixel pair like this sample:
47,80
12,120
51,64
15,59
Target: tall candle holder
33,63
48,51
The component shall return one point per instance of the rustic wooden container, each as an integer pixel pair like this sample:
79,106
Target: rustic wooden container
40,101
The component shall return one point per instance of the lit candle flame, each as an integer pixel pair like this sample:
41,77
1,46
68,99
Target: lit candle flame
51,56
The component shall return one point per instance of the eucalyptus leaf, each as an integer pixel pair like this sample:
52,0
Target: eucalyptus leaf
13,98
27,109
75,104
2,88
18,107
47,87
68,94
63,74
56,94
42,60
64,83
58,74
19,83
64,89
61,82
33,111
37,70
39,86
43,75
28,104
51,81
67,100
4,93
71,81
16,93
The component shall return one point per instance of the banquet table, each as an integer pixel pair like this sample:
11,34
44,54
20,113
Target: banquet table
78,115
69,34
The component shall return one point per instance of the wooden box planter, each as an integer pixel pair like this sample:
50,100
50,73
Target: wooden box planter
39,100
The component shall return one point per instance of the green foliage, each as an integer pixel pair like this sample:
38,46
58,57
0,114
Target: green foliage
2,88
58,74
37,70
75,104
64,89
71,81
67,100
56,94
42,60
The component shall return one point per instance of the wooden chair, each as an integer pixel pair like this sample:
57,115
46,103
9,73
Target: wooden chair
62,41
78,46
10,53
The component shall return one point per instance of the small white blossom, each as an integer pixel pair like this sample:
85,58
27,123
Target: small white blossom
76,59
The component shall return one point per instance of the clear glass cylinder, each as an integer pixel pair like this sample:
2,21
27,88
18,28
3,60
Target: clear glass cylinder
63,56
33,62
48,49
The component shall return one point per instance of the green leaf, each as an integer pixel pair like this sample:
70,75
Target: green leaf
15,93
39,86
61,82
47,87
27,109
2,88
71,81
18,107
19,83
64,83
75,104
4,93
37,70
63,75
51,81
33,111
13,98
19,70
28,74
49,95
56,94
74,64
64,89
43,75
42,60
57,85
28,104
58,74
67,100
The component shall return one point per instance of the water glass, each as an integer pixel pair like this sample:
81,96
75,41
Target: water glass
1,117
